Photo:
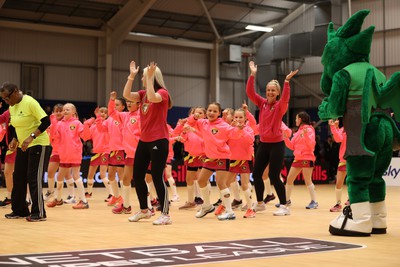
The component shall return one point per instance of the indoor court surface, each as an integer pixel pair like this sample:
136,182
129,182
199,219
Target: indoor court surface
67,230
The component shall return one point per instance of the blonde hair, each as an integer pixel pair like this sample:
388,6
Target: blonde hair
73,108
159,82
277,85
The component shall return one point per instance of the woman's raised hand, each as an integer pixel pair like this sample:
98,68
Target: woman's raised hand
133,69
291,74
253,68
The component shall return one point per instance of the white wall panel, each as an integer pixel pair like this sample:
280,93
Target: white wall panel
186,91
10,72
72,84
49,48
182,61
124,54
392,11
393,47
376,15
377,57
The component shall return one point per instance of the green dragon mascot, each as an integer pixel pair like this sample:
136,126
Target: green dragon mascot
359,92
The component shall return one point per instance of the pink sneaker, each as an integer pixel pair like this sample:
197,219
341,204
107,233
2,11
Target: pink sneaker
115,201
250,213
119,209
336,208
219,210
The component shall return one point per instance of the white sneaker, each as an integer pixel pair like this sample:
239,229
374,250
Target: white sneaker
175,198
229,215
70,200
260,207
244,208
164,219
204,211
48,195
282,211
140,215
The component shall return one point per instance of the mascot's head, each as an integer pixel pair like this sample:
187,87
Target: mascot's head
345,46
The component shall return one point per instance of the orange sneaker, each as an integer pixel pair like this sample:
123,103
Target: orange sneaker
81,205
250,213
54,203
219,210
115,200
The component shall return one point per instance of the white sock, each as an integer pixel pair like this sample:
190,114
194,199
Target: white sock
126,191
226,199
311,190
235,188
267,186
172,184
51,182
247,196
197,188
190,191
289,189
114,188
90,183
60,185
338,195
70,187
106,183
205,192
80,190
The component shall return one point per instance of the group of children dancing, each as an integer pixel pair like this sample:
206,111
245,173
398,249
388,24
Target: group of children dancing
131,139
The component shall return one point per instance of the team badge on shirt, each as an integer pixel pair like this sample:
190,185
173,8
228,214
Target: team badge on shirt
72,127
214,131
116,122
145,108
133,120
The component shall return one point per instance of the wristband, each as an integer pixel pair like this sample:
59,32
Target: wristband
129,78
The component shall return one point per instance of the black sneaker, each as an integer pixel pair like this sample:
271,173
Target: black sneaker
12,215
5,202
219,202
236,204
198,200
35,218
268,198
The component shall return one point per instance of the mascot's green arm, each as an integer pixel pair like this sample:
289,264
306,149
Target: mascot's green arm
334,105
389,95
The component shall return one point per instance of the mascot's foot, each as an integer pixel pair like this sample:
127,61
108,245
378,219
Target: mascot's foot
378,216
354,221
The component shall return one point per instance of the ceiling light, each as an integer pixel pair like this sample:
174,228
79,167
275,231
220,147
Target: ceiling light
259,28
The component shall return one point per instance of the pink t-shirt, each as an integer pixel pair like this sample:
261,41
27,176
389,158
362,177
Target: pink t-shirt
69,133
303,143
100,139
153,117
216,135
340,137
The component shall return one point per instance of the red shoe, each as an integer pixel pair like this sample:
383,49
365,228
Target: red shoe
81,205
121,209
250,213
108,198
54,203
219,210
115,200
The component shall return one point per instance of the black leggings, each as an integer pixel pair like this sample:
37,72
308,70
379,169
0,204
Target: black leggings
272,154
155,152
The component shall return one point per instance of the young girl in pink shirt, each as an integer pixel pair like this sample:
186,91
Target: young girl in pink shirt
216,133
54,160
101,150
68,132
130,121
241,161
302,144
194,146
339,135
117,155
